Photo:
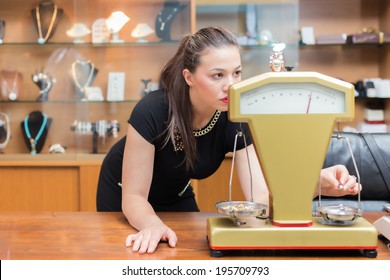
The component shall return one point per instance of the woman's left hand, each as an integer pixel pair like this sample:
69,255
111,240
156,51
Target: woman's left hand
336,181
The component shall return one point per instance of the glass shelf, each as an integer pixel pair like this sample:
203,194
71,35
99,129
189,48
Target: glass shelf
69,101
344,45
89,45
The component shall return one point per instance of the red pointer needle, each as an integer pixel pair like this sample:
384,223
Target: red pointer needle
308,105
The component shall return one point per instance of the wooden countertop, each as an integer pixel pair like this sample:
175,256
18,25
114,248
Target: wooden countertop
94,236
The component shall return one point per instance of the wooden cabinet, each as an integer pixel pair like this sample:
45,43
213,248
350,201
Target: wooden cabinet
49,182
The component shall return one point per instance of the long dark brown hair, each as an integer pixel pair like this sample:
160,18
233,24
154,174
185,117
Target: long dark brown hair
188,55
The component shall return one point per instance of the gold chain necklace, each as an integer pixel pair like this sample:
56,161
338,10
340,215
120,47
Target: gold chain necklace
206,130
178,146
41,39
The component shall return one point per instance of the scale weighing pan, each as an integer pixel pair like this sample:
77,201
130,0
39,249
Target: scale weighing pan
239,211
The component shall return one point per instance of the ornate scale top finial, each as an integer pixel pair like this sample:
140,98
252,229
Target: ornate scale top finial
276,60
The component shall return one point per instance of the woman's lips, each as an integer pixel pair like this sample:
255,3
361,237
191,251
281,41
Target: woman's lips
225,100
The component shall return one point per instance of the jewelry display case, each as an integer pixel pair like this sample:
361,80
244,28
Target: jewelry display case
71,73
68,58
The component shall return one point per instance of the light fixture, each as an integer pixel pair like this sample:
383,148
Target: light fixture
115,23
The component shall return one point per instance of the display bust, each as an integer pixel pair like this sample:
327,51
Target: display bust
46,16
83,72
166,17
34,130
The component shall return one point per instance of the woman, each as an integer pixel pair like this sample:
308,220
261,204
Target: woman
180,132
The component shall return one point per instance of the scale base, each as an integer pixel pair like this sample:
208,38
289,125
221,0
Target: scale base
225,237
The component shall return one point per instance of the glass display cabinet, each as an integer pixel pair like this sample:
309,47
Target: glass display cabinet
82,64
71,73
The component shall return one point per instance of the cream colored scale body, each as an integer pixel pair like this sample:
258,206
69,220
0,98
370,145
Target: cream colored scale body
291,116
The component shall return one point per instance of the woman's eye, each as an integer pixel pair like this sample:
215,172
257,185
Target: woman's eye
238,73
218,75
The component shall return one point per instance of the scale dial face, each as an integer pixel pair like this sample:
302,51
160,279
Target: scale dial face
292,98
291,93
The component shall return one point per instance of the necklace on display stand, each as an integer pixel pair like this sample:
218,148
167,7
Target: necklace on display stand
41,39
164,21
12,93
34,141
166,17
76,76
2,30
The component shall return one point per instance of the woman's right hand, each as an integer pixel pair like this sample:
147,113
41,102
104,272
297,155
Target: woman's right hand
336,181
146,240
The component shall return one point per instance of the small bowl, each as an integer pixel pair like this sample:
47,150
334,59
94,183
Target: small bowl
241,209
339,213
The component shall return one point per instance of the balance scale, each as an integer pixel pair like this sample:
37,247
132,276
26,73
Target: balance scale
291,117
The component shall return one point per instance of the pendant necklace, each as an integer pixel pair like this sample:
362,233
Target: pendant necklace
41,39
34,141
12,93
90,75
167,19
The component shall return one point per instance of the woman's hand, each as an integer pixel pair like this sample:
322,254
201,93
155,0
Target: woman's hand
146,240
336,181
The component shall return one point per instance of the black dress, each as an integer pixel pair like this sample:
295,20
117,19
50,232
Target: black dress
170,177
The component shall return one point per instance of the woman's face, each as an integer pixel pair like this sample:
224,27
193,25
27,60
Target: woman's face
209,84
